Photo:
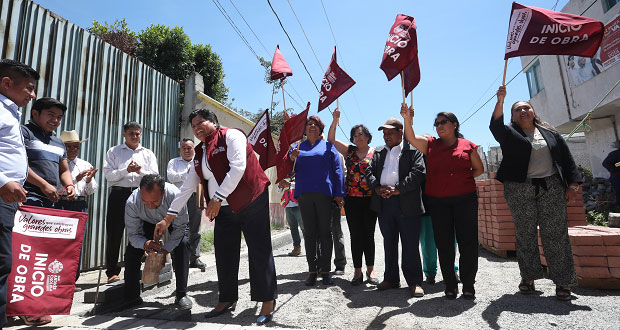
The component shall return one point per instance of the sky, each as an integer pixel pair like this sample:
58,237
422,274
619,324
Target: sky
461,52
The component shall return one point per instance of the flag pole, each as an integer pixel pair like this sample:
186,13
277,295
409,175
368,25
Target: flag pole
505,67
402,79
337,106
283,101
411,98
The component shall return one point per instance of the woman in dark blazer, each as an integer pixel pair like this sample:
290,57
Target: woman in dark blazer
539,176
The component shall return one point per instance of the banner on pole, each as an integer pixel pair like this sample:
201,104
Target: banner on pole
292,131
262,143
279,67
539,31
401,47
46,249
335,82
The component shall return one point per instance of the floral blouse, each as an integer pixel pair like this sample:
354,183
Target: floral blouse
355,181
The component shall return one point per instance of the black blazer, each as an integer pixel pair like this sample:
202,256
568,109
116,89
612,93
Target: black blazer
516,151
411,176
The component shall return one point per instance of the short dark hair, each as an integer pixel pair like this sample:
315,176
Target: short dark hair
149,182
17,70
365,131
452,118
47,103
187,140
131,124
318,121
206,115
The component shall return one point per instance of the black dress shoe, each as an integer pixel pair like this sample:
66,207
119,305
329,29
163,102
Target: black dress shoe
327,279
311,279
262,319
339,271
183,303
357,281
387,285
213,313
430,279
198,264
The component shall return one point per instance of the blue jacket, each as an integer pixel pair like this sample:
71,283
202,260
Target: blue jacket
318,170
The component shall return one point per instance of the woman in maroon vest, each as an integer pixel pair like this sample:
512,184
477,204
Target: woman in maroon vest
236,190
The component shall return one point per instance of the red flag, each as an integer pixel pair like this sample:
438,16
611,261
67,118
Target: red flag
401,47
412,75
279,67
335,83
538,31
46,248
292,131
262,143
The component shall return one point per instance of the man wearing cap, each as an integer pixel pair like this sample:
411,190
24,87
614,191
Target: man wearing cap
178,168
124,167
395,174
82,173
47,158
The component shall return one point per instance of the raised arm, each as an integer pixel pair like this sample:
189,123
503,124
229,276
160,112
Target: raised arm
499,106
418,141
331,135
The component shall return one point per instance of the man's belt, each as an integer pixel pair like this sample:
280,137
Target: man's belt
74,199
117,188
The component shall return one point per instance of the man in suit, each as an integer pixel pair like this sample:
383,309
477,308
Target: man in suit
395,174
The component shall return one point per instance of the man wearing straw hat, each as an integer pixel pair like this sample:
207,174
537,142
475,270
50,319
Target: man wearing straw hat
82,173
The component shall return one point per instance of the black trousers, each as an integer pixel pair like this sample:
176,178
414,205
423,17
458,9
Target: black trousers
395,225
253,222
456,214
114,227
340,255
78,206
7,216
194,228
316,214
133,259
362,222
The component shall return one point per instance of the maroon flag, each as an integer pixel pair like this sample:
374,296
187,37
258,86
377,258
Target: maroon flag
335,83
262,143
538,31
401,47
412,75
279,67
46,249
292,131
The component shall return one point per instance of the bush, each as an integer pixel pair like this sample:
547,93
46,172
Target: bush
597,218
206,241
585,172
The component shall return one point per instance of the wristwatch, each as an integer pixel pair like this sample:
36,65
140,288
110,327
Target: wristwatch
216,199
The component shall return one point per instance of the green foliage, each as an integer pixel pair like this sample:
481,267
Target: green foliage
168,50
206,241
117,34
209,65
585,172
276,226
597,218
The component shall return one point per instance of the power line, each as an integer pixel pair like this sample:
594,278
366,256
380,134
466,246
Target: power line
234,26
249,27
304,31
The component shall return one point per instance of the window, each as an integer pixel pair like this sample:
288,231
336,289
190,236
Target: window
607,4
534,79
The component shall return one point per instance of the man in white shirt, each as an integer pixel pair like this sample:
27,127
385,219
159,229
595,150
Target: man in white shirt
396,173
177,174
124,167
82,173
17,88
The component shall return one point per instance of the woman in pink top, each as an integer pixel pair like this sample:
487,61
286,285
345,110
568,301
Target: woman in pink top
452,163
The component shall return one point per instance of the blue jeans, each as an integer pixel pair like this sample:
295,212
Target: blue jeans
293,217
7,218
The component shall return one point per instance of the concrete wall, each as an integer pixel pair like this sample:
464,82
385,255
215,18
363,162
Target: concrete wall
564,106
196,99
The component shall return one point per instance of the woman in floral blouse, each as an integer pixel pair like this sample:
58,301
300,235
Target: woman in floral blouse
361,219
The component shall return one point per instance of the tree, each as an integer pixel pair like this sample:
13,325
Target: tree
168,50
209,65
117,34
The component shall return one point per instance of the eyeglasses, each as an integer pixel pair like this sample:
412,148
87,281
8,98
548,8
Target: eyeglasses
72,147
442,122
311,123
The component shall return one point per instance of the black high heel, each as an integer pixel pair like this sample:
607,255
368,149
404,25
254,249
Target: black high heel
213,313
451,293
262,319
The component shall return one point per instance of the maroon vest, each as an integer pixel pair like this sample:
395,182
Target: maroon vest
252,183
